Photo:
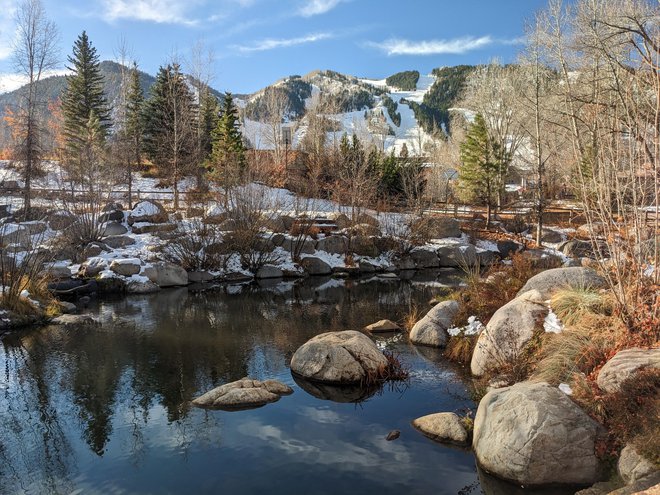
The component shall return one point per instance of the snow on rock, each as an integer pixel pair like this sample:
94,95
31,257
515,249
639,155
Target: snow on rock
566,388
552,324
473,327
145,208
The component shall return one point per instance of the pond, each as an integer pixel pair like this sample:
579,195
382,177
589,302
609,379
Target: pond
107,409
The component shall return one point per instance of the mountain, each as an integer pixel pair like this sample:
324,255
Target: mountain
405,108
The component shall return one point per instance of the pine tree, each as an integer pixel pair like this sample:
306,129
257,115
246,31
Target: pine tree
84,91
481,163
170,126
83,102
227,162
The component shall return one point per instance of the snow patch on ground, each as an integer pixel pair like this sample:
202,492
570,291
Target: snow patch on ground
552,324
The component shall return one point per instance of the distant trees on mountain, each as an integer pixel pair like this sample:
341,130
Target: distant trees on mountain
405,81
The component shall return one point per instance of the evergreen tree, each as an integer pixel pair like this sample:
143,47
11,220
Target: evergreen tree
83,101
227,162
481,161
170,126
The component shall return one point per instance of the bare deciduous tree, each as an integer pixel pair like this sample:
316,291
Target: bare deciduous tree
34,53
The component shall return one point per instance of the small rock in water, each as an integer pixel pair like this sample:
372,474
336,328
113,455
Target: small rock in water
383,326
393,435
243,394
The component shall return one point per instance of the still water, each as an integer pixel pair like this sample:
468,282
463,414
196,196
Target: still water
107,410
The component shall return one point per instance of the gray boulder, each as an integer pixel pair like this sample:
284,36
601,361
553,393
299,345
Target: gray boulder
549,281
147,211
269,271
443,427
533,434
199,276
383,326
424,258
431,330
508,247
118,241
508,332
60,220
152,228
366,267
624,365
315,266
141,287
165,274
333,244
346,357
632,466
126,267
457,255
551,236
301,245
437,227
243,394
363,245
114,228
366,219
92,267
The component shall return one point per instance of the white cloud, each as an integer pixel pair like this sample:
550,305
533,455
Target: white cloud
317,7
433,47
159,11
10,82
271,43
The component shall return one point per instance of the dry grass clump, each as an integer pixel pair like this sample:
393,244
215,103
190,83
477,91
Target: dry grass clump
393,371
571,305
629,415
413,315
460,348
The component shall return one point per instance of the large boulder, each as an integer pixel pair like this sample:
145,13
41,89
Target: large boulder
126,266
576,248
347,357
363,245
333,244
60,220
431,330
315,266
457,255
118,241
508,247
443,427
508,332
269,271
424,258
632,466
165,274
114,228
147,211
93,266
549,281
551,236
145,286
533,434
624,365
437,227
299,245
366,219
243,394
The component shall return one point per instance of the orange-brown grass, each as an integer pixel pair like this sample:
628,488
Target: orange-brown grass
629,415
460,348
413,315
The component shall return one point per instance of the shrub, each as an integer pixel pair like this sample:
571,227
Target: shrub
571,305
195,248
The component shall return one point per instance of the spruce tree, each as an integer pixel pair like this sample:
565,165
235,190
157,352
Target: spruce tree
479,166
170,126
227,162
86,116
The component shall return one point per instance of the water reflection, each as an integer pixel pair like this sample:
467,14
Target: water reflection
107,409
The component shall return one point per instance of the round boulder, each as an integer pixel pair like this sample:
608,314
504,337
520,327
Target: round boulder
126,267
432,329
533,434
148,211
624,365
347,357
508,331
165,274
443,427
315,266
549,281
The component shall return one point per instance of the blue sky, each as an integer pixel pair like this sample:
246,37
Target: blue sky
256,42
